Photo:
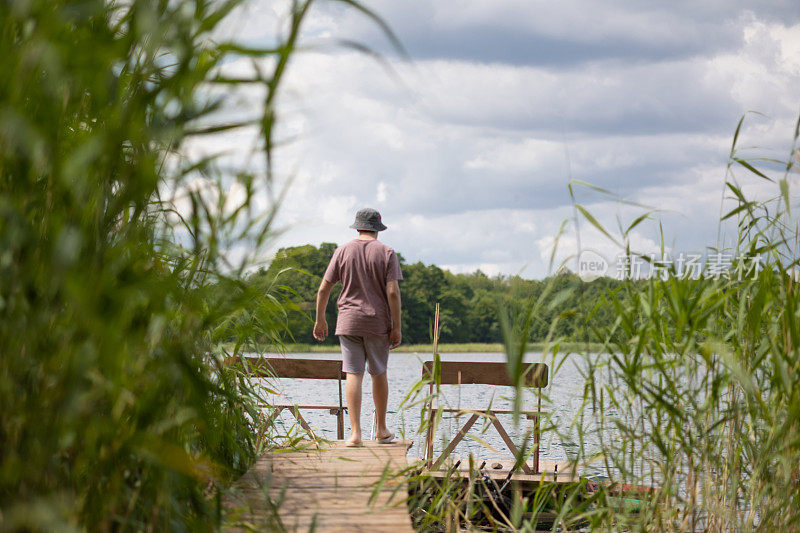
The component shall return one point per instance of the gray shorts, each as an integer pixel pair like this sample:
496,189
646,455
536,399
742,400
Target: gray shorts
372,350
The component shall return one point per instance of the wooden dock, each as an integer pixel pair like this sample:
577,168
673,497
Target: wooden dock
330,488
498,469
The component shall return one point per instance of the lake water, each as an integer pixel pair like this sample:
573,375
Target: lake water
565,391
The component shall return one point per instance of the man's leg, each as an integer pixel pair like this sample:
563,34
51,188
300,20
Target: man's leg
380,393
353,390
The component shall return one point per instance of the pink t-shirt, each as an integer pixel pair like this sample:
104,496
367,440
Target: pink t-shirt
364,267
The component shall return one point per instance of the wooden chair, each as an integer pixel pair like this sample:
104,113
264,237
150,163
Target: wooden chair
466,373
300,368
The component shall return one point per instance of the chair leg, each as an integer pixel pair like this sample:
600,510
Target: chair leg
302,421
455,441
536,439
339,414
264,424
340,424
510,443
273,415
430,434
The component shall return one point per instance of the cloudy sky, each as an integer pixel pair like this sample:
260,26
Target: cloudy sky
467,145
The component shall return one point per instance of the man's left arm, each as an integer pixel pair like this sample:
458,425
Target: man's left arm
393,295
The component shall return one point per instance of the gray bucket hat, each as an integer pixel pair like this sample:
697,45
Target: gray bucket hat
368,219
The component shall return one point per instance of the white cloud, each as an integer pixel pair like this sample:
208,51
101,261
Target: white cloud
380,197
336,210
789,41
468,158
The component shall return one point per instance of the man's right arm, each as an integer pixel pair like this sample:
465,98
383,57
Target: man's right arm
393,295
321,324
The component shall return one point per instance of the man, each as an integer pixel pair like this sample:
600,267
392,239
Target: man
368,323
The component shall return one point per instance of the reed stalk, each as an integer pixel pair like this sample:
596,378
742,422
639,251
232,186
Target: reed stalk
122,262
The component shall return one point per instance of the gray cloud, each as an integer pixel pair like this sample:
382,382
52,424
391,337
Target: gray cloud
467,157
568,33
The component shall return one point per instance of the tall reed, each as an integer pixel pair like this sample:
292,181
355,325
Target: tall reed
693,399
696,391
116,277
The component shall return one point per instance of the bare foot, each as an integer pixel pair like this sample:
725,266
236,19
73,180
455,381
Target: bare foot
353,441
385,434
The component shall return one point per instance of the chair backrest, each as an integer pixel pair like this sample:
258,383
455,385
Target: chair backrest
474,373
283,367
294,368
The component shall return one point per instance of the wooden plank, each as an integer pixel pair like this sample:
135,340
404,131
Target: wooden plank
507,464
327,488
546,476
300,406
294,368
489,412
482,373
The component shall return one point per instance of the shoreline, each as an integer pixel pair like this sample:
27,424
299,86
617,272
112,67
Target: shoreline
565,347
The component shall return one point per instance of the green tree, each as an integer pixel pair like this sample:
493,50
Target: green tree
299,272
469,302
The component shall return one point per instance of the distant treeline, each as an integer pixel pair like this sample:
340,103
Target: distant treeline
470,303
